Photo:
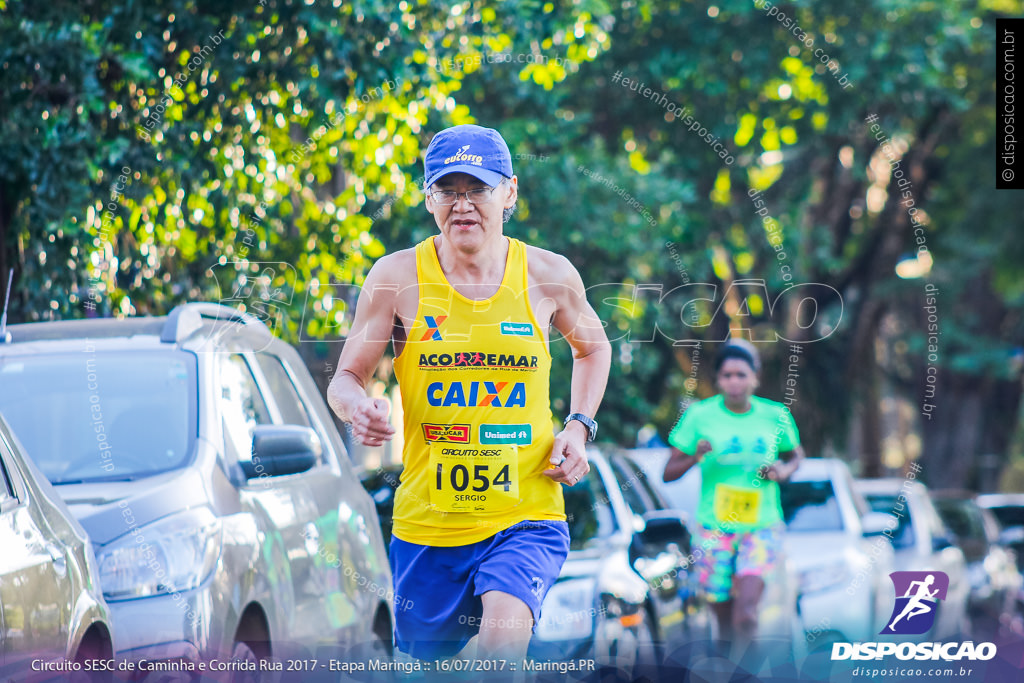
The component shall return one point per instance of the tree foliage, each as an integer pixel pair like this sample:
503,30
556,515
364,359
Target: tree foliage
295,147
250,137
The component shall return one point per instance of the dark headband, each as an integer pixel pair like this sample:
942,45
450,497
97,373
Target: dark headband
733,351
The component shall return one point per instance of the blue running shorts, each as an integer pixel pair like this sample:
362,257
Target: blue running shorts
439,607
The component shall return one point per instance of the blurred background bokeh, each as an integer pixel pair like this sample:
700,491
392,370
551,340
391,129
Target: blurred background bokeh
836,193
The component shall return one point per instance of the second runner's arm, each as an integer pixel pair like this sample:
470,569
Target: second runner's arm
788,462
679,463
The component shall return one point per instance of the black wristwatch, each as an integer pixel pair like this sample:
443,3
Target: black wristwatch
590,424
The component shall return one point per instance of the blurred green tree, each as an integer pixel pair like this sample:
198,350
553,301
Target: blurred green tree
294,147
827,112
156,153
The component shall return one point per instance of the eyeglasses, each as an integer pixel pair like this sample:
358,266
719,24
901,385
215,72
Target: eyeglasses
480,195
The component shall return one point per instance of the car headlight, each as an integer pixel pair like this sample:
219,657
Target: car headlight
568,611
823,578
176,553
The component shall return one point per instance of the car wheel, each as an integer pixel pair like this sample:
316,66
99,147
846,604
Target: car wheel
647,665
243,652
383,635
381,650
798,638
95,646
632,656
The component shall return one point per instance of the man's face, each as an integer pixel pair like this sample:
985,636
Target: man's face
466,224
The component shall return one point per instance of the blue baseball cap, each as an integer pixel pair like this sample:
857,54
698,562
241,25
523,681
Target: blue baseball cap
480,152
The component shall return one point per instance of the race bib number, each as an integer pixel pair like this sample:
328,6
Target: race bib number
474,478
737,505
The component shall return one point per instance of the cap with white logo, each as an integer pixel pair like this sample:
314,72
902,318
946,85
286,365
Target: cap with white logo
478,151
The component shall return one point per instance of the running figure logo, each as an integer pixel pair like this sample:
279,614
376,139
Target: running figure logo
917,593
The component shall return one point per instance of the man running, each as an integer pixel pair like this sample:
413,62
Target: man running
479,523
915,606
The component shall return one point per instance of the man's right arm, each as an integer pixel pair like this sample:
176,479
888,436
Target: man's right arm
371,330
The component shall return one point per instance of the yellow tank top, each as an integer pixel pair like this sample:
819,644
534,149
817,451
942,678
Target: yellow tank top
474,378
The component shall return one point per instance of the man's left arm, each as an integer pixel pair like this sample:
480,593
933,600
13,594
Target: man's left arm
577,321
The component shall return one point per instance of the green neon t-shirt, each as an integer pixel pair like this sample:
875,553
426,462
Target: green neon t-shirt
732,496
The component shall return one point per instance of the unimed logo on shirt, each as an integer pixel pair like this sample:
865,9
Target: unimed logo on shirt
520,329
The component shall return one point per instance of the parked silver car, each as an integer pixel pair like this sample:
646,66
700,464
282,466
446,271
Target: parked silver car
52,615
923,543
1008,509
991,567
197,453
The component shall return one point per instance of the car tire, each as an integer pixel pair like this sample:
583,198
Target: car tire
243,652
798,639
630,660
381,651
94,646
647,666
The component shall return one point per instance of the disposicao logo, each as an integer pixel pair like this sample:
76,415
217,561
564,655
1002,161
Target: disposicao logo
917,594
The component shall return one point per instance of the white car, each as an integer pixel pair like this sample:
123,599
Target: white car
923,543
839,553
1008,509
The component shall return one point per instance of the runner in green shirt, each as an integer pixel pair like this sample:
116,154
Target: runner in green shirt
744,445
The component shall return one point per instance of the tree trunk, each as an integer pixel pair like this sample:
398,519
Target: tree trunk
967,439
4,221
952,437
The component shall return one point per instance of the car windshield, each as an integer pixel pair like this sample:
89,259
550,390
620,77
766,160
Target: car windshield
588,512
889,504
101,416
962,518
810,506
1009,515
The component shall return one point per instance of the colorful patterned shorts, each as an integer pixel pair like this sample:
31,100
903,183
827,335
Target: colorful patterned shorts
725,555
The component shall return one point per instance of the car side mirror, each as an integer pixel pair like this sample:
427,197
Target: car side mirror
876,523
664,527
278,450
